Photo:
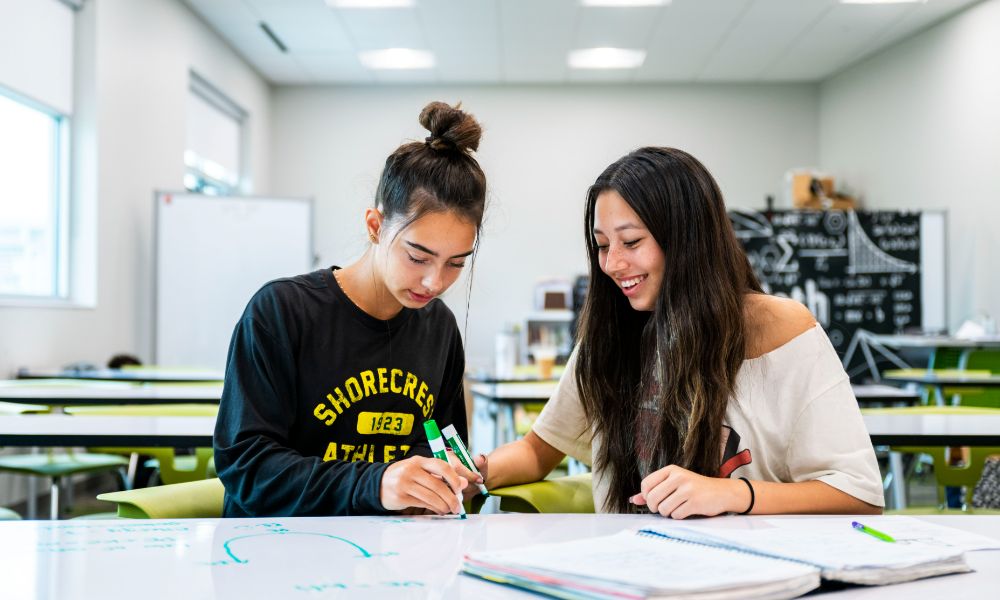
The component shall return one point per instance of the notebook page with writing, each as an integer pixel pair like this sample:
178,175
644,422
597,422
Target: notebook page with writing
843,555
901,528
649,566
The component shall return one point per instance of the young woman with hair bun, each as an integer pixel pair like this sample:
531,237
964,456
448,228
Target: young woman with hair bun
331,374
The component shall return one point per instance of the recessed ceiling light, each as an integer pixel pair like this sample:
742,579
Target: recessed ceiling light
370,3
606,58
397,58
624,3
882,1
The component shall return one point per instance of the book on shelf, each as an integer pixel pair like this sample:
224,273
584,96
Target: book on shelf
712,562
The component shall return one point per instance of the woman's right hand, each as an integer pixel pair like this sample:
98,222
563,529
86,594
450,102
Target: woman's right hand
421,482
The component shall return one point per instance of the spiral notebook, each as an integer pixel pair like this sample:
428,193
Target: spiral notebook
703,563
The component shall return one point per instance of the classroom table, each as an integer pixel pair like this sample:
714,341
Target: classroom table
349,557
939,382
934,341
137,375
58,430
60,393
503,397
900,429
870,344
973,429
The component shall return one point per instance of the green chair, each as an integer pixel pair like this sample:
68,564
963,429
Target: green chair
168,467
7,514
57,466
947,475
192,500
981,360
571,494
17,408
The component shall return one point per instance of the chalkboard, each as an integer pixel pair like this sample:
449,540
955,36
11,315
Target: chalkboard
859,272
212,254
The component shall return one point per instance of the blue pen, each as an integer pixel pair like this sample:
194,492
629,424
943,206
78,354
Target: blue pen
872,532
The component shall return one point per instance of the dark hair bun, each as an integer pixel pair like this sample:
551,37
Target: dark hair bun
450,127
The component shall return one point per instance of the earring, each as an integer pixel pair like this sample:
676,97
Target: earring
373,237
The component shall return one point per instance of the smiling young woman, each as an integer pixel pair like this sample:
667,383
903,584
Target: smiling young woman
331,373
691,391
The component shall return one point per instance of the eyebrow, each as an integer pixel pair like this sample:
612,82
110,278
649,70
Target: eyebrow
416,246
620,228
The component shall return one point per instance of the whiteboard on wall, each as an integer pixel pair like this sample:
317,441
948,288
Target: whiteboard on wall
211,254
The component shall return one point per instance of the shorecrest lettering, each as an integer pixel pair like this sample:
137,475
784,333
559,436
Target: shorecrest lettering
374,382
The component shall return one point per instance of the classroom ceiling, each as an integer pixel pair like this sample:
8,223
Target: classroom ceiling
527,41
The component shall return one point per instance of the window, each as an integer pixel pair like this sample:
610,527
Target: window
33,223
213,158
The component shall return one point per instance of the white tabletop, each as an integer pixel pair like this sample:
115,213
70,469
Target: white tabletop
345,557
67,431
516,392
928,429
882,391
930,378
72,392
145,375
935,341
542,390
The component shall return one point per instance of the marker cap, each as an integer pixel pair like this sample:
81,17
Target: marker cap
431,429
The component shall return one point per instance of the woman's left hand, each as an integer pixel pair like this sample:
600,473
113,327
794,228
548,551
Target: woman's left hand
678,493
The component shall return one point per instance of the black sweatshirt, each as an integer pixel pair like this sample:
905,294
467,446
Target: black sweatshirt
319,396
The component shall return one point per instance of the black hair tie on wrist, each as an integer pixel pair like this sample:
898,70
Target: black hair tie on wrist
752,496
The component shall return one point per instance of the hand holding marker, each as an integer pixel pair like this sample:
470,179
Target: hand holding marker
437,447
458,446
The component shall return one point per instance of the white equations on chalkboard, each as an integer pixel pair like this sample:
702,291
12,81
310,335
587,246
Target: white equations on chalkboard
859,272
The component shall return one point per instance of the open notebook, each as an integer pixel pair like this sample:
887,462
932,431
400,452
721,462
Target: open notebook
703,562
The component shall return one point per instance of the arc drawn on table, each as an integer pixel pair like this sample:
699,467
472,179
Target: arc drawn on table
227,545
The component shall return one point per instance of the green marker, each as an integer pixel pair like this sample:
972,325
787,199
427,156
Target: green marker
458,446
872,532
437,447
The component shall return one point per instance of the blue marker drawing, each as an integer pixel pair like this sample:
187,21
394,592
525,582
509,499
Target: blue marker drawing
229,551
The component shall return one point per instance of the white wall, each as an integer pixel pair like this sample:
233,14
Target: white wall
542,147
918,126
133,59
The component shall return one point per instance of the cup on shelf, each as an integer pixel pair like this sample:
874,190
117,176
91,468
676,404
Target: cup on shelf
545,358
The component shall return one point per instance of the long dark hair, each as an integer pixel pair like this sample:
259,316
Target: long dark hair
694,340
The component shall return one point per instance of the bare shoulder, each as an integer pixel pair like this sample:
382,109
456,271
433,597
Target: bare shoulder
772,322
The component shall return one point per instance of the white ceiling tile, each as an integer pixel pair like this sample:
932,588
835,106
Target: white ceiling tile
306,26
514,41
835,39
471,24
685,37
615,27
535,37
384,28
274,65
335,67
406,76
764,34
464,38
913,21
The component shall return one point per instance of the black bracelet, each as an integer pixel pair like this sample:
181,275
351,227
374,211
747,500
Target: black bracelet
752,496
